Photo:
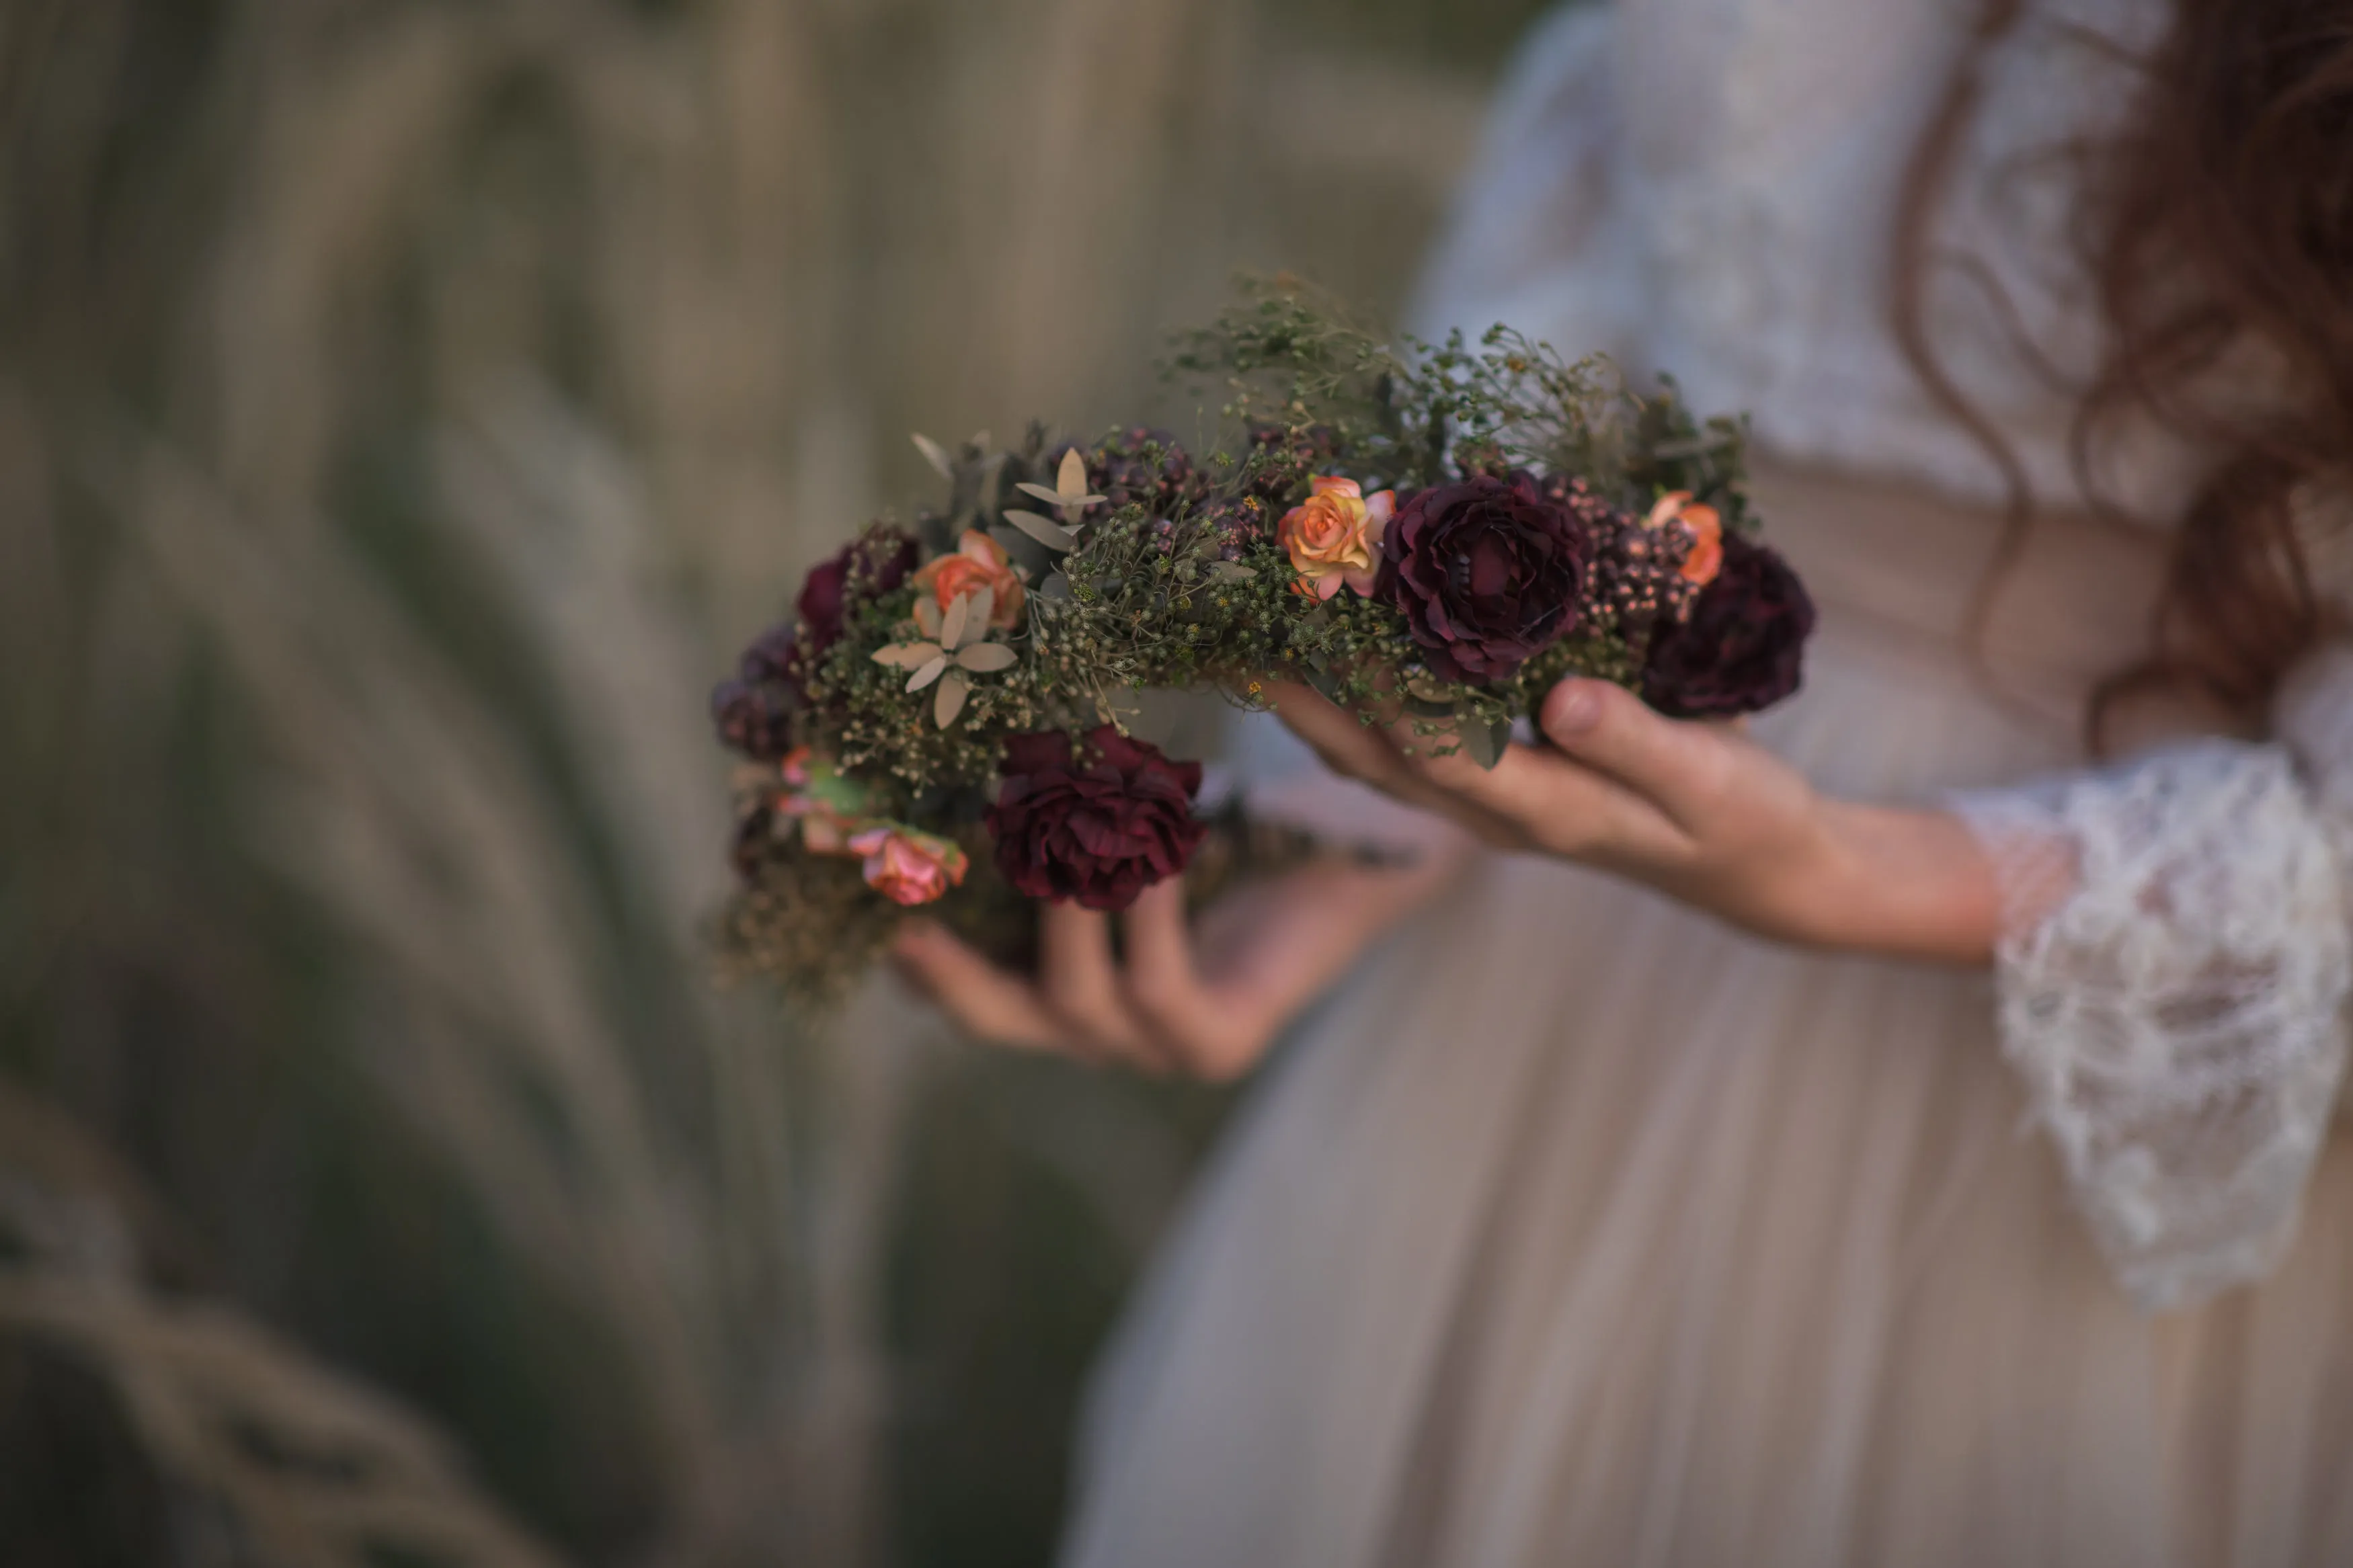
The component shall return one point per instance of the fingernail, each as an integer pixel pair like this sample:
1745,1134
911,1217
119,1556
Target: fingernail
1574,711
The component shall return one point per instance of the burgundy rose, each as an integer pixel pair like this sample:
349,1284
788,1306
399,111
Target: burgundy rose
753,712
770,656
754,717
1487,572
1742,646
886,555
1099,832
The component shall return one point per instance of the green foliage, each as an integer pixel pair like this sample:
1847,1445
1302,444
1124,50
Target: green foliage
1425,414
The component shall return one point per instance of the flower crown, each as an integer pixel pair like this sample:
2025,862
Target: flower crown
1433,535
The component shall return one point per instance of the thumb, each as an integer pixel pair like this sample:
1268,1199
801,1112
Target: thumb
1571,709
1609,728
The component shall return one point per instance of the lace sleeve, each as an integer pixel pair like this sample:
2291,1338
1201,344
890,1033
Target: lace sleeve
2171,984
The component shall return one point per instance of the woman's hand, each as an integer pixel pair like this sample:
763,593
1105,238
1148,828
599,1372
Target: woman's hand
1698,811
1207,1002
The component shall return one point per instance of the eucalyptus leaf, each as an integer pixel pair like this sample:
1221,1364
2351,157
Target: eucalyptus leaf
983,657
1072,479
1232,572
927,616
1044,530
980,603
935,455
1485,744
954,690
929,673
952,624
1067,500
1423,708
1055,587
909,654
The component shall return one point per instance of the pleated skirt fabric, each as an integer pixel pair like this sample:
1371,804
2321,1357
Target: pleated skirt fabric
1579,1229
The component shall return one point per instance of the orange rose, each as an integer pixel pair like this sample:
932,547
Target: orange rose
1706,557
979,563
1335,536
907,866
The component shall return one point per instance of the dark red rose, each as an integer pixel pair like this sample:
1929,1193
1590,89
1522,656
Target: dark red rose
1098,831
886,556
1488,572
753,711
770,656
1741,649
755,718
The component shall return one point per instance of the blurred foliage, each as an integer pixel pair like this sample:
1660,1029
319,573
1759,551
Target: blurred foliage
405,406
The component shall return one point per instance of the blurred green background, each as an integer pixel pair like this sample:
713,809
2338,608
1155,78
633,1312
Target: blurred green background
406,408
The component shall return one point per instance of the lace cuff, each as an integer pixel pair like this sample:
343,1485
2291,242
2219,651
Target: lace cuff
2171,980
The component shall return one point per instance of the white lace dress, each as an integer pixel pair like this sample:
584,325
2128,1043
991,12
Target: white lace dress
1577,1229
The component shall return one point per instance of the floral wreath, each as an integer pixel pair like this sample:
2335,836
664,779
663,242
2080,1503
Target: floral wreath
1433,535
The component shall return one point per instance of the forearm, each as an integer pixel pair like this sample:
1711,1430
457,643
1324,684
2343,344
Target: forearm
1905,882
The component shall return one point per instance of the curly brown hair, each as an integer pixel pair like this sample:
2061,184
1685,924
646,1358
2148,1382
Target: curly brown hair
2219,225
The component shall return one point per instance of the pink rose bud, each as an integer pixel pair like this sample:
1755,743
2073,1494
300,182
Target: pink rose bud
907,866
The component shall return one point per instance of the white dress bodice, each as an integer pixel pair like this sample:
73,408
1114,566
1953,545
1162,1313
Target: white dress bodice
1710,187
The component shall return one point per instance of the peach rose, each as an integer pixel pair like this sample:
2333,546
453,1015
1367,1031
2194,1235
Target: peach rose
907,866
1706,557
979,562
1335,536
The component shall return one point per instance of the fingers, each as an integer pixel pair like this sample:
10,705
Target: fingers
1068,1006
1195,1030
1273,947
1156,1014
1626,788
1355,749
1080,980
987,1001
1347,744
1556,804
1680,768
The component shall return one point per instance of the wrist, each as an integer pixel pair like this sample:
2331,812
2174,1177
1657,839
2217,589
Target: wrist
1905,882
